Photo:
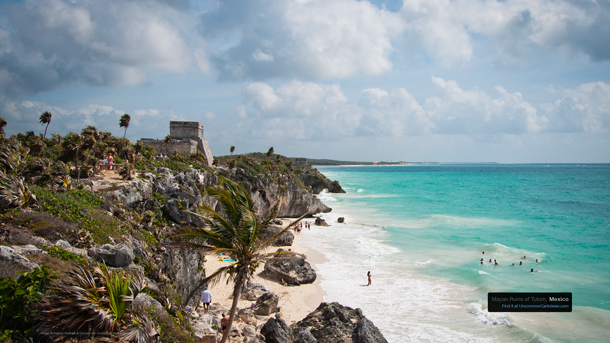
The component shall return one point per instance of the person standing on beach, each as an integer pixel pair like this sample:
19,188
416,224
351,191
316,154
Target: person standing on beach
369,276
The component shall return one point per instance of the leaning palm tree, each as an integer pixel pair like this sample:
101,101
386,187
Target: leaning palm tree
237,232
45,118
124,122
232,149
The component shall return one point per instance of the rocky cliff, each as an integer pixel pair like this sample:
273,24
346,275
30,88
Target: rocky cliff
183,191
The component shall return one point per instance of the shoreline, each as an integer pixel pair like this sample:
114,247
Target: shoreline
295,302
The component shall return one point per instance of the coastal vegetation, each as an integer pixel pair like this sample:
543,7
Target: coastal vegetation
61,212
237,232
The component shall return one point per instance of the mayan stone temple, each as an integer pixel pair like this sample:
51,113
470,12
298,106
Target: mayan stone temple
186,138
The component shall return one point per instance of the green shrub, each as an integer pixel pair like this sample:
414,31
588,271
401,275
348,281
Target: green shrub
18,299
63,254
83,208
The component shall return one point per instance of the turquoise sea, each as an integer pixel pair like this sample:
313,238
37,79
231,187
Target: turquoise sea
421,231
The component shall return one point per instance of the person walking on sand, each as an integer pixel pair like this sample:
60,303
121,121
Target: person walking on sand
369,276
206,299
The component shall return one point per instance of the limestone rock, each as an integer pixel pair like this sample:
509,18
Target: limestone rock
294,271
247,316
335,323
266,304
340,220
11,262
137,191
148,302
181,265
27,249
276,330
118,256
318,183
253,291
283,240
305,336
320,222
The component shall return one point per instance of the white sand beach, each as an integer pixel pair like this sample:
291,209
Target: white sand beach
295,302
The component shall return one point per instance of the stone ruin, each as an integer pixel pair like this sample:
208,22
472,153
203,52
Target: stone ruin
187,138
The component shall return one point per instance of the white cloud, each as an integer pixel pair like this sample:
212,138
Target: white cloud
448,30
58,42
584,109
461,111
313,39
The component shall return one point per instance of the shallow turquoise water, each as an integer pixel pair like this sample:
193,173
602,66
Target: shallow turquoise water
441,218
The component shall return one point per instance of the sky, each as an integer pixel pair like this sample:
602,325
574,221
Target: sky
509,81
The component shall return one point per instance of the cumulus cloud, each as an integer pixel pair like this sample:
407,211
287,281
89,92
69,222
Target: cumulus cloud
460,111
584,109
449,30
323,111
54,43
313,39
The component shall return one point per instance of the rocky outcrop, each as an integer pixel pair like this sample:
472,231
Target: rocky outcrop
266,304
181,265
320,222
137,191
276,330
340,220
11,262
335,323
283,240
184,191
118,256
294,271
319,182
253,291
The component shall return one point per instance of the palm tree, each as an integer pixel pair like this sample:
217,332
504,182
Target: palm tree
270,152
3,123
237,233
74,141
232,149
45,118
124,122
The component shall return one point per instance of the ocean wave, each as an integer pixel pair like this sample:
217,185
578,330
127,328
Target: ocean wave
502,252
452,221
324,196
485,316
360,190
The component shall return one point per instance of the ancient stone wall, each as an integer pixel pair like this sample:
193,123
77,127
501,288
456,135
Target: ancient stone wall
186,130
187,138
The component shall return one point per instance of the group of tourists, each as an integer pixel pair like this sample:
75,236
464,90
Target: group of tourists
297,228
520,262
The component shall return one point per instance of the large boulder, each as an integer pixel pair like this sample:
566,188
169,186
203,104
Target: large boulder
253,291
120,255
320,222
335,323
11,262
266,304
176,209
247,316
137,191
294,271
276,330
283,240
305,336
